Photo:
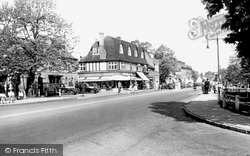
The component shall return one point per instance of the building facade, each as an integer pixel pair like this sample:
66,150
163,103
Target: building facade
112,60
184,73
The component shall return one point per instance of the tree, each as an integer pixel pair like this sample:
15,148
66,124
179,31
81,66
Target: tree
146,45
209,75
233,74
195,75
168,62
33,36
237,20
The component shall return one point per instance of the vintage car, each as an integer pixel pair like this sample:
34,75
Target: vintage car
50,89
66,90
86,88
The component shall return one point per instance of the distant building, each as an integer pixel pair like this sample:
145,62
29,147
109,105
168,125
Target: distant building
184,73
111,60
153,68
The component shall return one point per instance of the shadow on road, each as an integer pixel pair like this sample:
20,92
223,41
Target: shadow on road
171,109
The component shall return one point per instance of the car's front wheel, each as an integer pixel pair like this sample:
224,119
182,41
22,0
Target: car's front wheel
92,92
71,92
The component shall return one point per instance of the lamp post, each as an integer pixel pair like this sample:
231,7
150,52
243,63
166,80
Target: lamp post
218,55
218,61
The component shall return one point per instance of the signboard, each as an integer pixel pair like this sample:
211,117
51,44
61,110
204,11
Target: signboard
208,28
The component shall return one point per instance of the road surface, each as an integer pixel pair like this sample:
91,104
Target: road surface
150,123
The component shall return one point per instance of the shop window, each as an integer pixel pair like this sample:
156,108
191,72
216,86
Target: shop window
82,67
123,66
112,65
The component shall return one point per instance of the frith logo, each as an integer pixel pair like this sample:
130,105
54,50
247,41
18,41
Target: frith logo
208,28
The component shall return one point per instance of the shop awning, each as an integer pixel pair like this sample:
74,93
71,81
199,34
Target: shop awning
120,78
106,78
136,78
142,76
89,79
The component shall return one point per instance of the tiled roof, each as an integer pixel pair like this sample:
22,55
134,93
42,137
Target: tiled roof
112,46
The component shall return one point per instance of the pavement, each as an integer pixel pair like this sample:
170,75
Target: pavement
203,108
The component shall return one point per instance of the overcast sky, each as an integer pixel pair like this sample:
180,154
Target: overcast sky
154,21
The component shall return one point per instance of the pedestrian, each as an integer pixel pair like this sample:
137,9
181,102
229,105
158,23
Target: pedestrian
2,93
130,89
206,86
119,87
194,85
21,93
40,84
136,87
156,85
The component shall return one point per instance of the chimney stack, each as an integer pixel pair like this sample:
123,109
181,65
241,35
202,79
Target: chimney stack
101,39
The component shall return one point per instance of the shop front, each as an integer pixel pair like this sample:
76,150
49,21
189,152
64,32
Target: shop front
109,81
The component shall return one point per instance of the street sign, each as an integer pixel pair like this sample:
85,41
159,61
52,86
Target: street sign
208,28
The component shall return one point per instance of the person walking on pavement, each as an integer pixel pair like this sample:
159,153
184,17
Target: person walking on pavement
136,87
130,89
194,86
156,86
206,85
119,87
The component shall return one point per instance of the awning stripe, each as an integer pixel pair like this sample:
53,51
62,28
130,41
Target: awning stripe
142,76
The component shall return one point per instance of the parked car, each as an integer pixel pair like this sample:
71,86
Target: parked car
90,89
170,86
49,89
67,90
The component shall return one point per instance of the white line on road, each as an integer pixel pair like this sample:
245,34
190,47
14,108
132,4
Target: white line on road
69,106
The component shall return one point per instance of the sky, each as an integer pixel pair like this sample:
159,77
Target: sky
155,21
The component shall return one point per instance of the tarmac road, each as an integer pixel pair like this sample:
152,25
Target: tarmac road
144,124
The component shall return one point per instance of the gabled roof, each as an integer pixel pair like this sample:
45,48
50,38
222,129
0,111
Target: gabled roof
112,46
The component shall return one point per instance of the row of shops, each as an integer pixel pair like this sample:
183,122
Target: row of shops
108,81
103,81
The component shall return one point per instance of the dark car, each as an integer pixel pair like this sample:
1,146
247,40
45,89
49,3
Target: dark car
170,86
90,89
66,90
49,89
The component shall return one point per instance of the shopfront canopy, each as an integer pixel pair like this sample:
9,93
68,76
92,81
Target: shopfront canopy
136,78
142,76
120,78
89,79
104,78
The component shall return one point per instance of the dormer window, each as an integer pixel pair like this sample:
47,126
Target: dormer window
95,51
136,53
142,54
129,51
121,49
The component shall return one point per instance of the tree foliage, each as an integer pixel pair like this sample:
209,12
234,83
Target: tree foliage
209,75
195,75
237,20
233,73
168,62
146,45
33,36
